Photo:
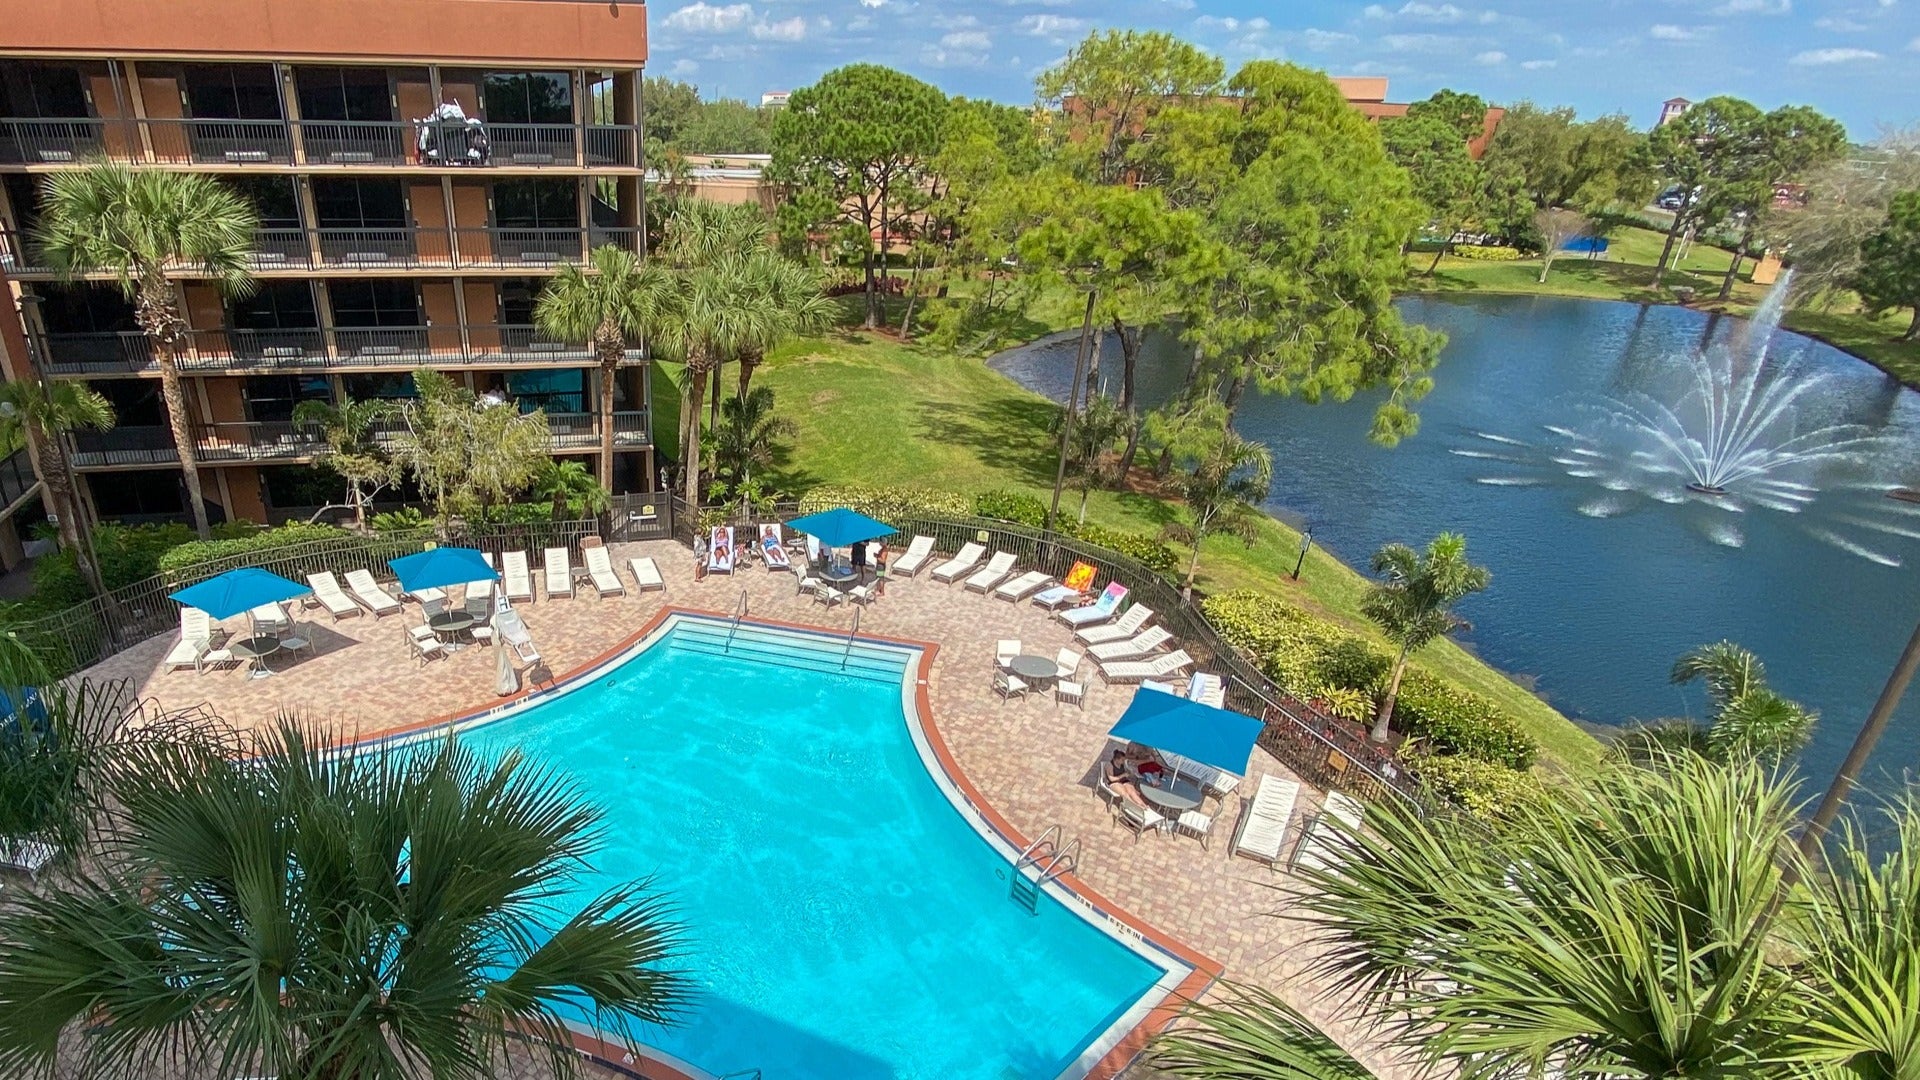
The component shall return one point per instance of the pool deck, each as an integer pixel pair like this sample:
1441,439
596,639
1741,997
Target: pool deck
1032,761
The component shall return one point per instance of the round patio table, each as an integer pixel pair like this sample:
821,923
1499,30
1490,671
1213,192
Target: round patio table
255,651
1034,668
450,623
1173,794
839,573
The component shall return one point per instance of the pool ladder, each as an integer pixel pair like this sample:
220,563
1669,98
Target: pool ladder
739,612
1048,859
847,653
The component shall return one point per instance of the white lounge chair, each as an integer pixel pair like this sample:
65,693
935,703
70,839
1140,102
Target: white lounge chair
1207,690
426,596
1099,611
27,856
483,590
559,578
195,647
1133,671
917,554
370,595
1321,846
1053,598
424,644
993,573
1125,627
962,562
645,574
1215,781
1138,645
1262,829
326,589
516,579
1019,588
270,619
1067,685
772,548
513,631
721,554
600,573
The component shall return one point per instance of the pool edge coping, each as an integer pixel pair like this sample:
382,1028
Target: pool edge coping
1203,971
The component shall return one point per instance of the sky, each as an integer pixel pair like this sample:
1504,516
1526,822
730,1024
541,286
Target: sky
1856,60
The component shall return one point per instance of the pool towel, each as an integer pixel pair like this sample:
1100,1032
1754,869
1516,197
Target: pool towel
720,551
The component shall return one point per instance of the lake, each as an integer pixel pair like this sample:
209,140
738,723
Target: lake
1600,583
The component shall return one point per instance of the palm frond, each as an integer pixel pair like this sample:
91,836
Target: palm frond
1251,1034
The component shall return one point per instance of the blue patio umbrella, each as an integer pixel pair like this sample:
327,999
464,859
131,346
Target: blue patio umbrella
841,527
1217,737
238,591
437,568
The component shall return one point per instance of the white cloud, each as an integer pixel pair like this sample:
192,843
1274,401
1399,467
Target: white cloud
953,22
860,22
1670,32
934,56
1914,45
1840,24
967,40
1415,9
683,66
1822,57
1754,7
1537,65
794,29
1321,40
1051,26
1414,42
701,17
1230,24
873,3
1491,57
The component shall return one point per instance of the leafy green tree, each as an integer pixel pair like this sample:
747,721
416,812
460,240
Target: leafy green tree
853,149
1108,89
726,126
1707,152
747,439
1560,161
1445,179
1223,480
1090,442
1555,228
1412,603
1750,721
316,914
137,224
1792,142
791,302
1845,205
572,490
351,449
465,455
1889,273
43,414
1465,113
671,105
611,305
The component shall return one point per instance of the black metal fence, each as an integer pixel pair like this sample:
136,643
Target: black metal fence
1325,751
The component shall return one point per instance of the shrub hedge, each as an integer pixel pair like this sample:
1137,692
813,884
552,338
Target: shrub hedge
1487,254
1149,552
196,552
1482,788
1455,721
1015,506
885,502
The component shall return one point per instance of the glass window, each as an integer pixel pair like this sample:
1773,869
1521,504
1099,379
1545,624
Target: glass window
84,308
344,93
360,204
136,402
382,386
561,390
275,305
49,91
272,397
527,97
517,296
536,204
139,493
374,302
272,197
231,91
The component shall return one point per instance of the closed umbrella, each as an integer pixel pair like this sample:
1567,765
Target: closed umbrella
239,591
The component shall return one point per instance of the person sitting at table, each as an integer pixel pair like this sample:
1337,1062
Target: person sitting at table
1119,776
1144,764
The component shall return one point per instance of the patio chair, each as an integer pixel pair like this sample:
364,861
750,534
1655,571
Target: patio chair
773,551
1004,650
423,644
270,619
196,640
823,594
917,554
1138,645
1133,671
1322,847
962,562
1195,823
994,573
645,574
516,580
1009,686
1127,626
1107,795
1262,829
559,577
1207,690
1138,818
27,856
370,595
1021,587
1067,686
1099,611
862,594
326,589
600,573
426,596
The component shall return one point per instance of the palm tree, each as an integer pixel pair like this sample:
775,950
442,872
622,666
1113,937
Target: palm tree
1750,720
793,303
572,490
351,449
1224,479
317,914
1251,1034
43,413
610,308
137,224
1413,603
748,436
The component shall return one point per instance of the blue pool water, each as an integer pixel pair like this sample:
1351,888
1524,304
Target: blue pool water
843,921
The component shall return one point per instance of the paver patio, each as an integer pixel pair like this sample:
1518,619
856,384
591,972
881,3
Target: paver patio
1033,760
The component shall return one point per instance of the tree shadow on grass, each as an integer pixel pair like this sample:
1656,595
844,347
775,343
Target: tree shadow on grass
1008,432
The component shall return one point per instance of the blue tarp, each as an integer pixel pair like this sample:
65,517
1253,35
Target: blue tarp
238,591
437,568
841,527
1586,245
1202,733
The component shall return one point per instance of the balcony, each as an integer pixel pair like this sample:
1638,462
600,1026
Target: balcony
110,354
378,143
577,431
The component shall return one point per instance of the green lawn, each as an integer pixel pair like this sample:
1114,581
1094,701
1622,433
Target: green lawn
871,410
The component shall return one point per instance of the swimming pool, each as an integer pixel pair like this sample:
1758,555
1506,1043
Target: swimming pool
843,919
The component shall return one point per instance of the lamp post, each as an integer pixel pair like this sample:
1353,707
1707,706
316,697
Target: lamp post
1306,541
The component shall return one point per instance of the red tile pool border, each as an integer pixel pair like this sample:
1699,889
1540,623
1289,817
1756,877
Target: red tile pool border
1203,969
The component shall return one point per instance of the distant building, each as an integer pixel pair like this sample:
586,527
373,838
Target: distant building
775,99
1671,110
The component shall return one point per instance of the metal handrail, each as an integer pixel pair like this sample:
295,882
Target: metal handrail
1030,852
1064,860
847,653
739,612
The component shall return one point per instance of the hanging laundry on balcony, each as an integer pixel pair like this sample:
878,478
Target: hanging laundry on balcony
448,136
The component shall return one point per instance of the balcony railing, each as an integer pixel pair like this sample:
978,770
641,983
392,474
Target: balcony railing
16,477
108,354
397,143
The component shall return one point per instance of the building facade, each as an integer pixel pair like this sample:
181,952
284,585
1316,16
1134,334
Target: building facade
420,170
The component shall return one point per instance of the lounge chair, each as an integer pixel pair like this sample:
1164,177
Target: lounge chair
1125,627
513,630
1215,781
1139,645
1066,685
1019,588
271,619
370,595
1262,830
423,597
1097,612
773,549
1207,690
1133,671
1321,847
195,647
993,573
484,589
559,577
27,856
326,589
424,644
918,552
516,579
645,574
600,573
720,551
962,562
